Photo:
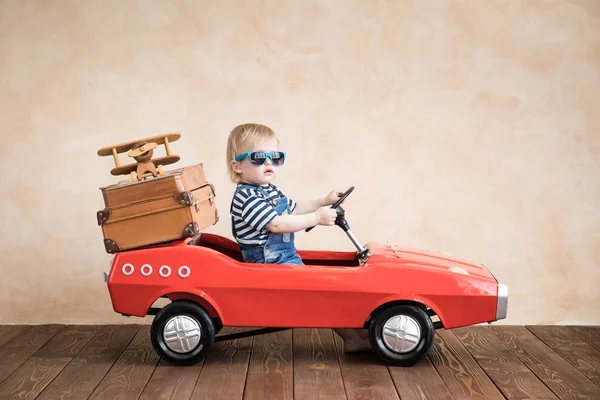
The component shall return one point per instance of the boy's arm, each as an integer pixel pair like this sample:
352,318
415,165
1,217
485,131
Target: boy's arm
258,213
293,223
309,206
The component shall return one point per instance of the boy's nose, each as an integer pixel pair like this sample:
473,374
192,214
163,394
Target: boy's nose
268,161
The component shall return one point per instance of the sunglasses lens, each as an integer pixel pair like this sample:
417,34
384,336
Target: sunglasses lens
278,158
258,158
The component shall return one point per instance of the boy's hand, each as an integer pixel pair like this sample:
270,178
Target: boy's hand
333,197
325,216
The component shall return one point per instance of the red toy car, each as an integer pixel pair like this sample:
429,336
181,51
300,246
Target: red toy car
397,294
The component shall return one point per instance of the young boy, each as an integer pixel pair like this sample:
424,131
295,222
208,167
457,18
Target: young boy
263,220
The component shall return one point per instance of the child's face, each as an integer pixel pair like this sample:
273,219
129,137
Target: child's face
262,174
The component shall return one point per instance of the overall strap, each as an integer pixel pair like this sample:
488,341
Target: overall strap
258,188
276,189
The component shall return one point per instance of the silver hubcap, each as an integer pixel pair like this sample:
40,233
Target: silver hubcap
182,334
401,333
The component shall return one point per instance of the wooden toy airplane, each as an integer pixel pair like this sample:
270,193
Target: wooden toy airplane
141,150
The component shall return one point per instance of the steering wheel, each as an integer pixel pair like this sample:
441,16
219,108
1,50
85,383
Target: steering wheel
337,203
341,199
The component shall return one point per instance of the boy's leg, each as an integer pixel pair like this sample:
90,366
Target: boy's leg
354,339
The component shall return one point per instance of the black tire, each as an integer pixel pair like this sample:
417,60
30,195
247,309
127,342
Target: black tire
218,324
398,357
197,316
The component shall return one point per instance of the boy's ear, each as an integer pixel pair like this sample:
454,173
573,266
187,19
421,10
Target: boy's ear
235,165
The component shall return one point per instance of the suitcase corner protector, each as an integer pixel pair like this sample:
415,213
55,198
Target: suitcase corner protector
102,216
191,229
111,246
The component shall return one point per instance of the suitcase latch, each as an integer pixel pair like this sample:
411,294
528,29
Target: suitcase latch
196,203
210,199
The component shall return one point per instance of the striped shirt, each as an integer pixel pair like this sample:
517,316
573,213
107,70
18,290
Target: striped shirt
251,211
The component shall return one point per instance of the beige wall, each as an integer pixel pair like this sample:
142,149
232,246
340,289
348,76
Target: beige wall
469,127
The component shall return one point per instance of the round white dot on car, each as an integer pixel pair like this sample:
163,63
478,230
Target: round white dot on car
165,271
146,269
127,269
184,271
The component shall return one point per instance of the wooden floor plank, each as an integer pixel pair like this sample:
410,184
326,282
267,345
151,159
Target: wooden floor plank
418,382
130,373
572,348
7,332
463,377
79,379
365,375
172,382
317,372
28,381
22,346
590,334
223,375
561,377
270,372
508,373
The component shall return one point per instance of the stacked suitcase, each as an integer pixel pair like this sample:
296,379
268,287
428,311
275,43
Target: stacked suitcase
174,206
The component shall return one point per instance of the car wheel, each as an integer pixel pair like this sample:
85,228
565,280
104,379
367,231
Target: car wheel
401,335
217,324
182,333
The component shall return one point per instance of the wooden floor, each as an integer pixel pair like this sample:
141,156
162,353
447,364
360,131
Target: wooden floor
118,362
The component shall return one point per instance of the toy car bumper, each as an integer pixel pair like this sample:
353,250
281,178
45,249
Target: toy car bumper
502,304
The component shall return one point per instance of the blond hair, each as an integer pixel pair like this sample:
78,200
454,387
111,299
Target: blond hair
244,138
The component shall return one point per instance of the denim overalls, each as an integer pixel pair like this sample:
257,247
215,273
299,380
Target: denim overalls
279,248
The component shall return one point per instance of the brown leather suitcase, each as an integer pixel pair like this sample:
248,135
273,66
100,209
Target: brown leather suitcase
178,180
157,210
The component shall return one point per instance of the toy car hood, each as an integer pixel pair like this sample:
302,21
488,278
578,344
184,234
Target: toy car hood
442,262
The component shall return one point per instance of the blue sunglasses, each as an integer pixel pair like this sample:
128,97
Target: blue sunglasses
258,158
